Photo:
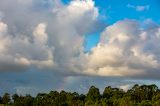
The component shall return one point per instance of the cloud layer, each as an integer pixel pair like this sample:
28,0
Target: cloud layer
44,41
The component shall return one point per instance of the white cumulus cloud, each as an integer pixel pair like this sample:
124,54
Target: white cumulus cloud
126,49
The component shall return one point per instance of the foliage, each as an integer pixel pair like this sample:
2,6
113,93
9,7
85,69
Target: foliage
144,95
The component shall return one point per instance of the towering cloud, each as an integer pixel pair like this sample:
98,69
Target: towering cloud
49,36
37,36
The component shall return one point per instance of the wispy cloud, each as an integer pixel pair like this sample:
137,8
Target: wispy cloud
139,7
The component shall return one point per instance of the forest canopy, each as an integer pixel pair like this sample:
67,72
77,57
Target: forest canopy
138,95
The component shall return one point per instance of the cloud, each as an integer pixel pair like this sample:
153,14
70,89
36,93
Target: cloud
48,36
139,8
43,38
40,34
18,53
81,84
125,87
126,50
43,42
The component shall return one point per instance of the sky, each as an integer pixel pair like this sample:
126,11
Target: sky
73,44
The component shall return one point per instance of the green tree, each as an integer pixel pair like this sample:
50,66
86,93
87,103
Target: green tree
145,103
63,98
126,101
93,95
53,97
15,97
0,100
107,93
40,99
6,98
144,95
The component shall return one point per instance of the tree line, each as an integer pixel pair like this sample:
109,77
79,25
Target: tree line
138,95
